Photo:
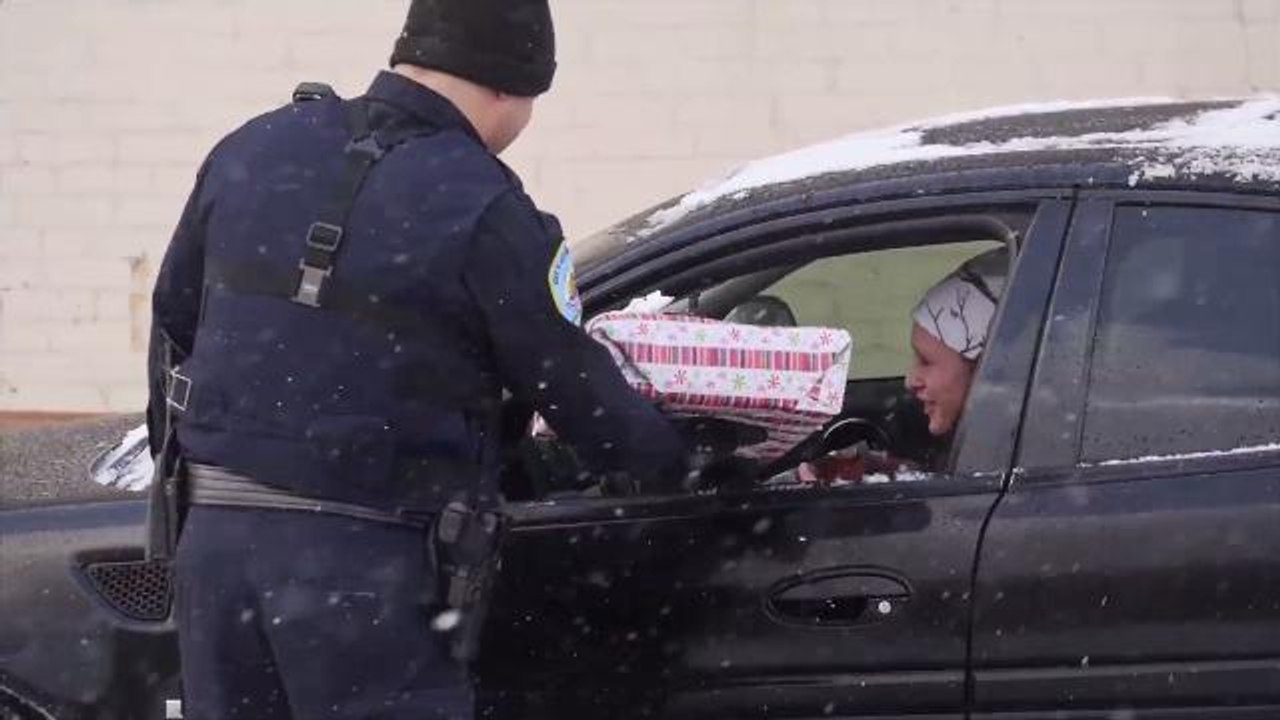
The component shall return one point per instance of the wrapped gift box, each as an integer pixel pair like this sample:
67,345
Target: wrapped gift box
788,380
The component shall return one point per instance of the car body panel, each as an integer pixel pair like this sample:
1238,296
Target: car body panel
65,646
1151,585
590,608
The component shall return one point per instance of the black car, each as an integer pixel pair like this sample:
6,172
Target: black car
1100,538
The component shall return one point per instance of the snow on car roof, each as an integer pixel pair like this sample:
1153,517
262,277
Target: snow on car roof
1164,139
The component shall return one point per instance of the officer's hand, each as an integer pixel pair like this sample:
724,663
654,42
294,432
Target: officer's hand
712,443
725,474
709,463
715,437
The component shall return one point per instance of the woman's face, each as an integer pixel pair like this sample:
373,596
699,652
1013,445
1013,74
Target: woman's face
939,377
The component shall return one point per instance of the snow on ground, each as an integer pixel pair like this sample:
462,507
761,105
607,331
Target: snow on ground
1224,141
128,465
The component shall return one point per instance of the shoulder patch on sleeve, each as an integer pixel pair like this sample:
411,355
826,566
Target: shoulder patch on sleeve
564,286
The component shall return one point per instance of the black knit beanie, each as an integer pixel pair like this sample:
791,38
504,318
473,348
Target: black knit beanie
507,45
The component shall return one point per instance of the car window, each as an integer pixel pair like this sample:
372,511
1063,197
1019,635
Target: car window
1186,354
872,295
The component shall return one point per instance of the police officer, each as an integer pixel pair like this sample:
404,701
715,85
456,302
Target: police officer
351,287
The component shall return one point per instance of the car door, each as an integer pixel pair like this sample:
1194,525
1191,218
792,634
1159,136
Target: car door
85,627
838,602
1133,569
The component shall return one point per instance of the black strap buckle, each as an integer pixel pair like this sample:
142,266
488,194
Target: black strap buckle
323,240
324,237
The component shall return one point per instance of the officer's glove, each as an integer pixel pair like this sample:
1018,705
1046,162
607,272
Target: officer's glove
670,480
709,462
712,443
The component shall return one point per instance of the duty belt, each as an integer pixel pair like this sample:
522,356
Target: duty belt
218,486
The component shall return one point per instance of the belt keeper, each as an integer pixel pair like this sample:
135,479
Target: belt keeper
325,237
310,285
179,391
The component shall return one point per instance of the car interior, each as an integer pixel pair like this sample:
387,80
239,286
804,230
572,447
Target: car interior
863,279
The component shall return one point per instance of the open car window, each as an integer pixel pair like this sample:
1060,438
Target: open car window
127,465
881,434
866,281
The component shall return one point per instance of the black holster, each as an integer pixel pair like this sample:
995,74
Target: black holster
466,544
164,506
165,509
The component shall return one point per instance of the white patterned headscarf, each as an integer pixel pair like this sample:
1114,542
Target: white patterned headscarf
958,310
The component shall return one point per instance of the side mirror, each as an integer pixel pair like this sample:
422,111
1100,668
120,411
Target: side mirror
127,465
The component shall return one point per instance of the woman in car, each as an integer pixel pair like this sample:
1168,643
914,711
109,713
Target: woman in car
949,335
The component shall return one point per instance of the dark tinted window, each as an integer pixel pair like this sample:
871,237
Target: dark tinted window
1187,353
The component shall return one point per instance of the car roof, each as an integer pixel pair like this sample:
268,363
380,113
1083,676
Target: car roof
1229,144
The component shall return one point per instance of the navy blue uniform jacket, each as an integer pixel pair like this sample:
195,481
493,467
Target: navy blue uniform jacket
446,283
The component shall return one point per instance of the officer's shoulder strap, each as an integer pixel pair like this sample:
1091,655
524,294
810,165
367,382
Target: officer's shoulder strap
312,91
325,236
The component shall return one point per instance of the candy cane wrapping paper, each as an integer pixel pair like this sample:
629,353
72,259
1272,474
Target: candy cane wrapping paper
788,380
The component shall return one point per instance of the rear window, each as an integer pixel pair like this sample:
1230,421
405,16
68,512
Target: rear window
1186,357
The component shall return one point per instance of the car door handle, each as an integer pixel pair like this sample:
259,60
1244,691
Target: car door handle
838,597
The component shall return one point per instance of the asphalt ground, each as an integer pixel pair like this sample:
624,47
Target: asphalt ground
49,462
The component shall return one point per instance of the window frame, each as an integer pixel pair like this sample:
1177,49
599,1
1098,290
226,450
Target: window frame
612,282
984,468
1050,447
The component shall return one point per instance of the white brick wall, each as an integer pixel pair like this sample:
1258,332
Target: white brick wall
108,106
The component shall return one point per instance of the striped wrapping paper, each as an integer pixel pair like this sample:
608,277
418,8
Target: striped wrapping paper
789,381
